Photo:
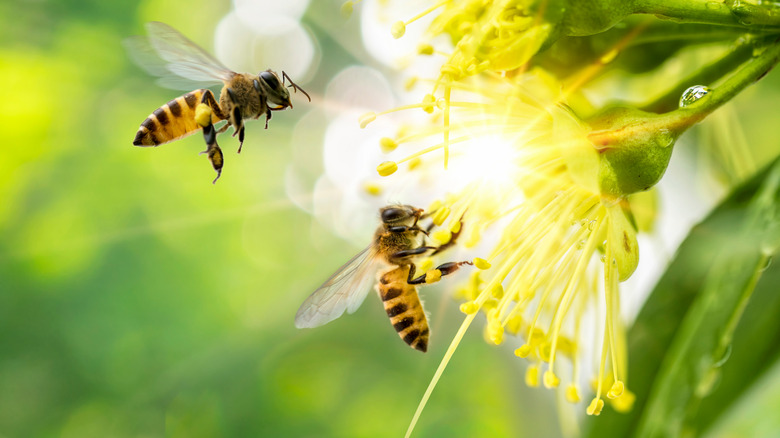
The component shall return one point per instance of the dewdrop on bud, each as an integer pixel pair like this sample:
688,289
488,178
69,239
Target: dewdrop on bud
387,168
367,118
398,30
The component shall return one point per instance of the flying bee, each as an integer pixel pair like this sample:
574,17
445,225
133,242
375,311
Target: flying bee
397,241
243,96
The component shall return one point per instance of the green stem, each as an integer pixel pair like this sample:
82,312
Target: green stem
728,13
705,76
679,120
750,73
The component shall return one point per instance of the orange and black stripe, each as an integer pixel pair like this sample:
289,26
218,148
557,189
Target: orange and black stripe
404,308
172,121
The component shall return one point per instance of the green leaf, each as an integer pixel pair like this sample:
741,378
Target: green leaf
697,345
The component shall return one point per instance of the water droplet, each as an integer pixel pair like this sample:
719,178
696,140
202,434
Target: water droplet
603,258
693,94
592,225
581,244
712,5
664,138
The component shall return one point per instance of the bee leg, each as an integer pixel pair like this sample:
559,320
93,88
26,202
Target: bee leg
412,252
238,124
213,151
267,117
434,275
204,118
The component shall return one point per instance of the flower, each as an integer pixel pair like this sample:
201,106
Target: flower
562,246
551,189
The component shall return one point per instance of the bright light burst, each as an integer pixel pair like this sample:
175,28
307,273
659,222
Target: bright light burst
519,163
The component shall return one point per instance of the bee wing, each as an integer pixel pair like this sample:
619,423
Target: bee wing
167,52
344,290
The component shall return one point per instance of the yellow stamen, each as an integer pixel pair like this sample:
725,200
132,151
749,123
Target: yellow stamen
595,406
441,215
387,144
372,189
572,395
532,376
469,308
481,263
398,30
387,168
551,380
366,118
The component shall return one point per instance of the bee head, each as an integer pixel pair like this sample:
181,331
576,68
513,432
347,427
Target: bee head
268,83
396,215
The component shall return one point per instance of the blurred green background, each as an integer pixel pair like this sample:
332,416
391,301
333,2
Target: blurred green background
139,300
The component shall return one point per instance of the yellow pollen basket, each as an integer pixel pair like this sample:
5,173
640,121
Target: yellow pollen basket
202,115
432,276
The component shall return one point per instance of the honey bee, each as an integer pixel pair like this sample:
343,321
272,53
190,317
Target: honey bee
243,96
397,241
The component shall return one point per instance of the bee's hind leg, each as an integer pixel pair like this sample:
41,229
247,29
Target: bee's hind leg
203,116
213,150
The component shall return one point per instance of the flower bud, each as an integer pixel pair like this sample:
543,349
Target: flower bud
634,150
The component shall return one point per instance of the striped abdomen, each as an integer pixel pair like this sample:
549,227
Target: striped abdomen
403,306
172,121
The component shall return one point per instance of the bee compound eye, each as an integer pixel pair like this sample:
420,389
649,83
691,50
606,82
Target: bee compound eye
393,214
270,78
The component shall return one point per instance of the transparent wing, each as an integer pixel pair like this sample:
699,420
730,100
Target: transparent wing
167,52
143,54
344,290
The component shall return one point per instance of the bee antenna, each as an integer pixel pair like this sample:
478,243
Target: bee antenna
294,85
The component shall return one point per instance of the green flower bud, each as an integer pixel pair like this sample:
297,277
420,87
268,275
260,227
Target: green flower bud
583,18
634,149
